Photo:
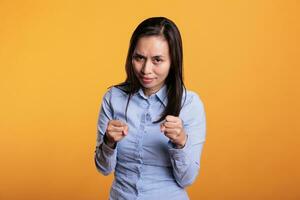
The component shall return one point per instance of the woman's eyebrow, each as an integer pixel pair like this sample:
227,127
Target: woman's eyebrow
156,56
140,55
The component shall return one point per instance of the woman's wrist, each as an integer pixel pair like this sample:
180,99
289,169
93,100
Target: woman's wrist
182,144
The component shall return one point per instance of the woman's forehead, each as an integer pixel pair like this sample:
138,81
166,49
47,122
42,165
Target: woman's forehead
152,45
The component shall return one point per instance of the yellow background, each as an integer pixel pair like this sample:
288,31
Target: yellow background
57,59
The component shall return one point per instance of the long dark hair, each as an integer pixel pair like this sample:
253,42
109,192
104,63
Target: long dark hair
158,26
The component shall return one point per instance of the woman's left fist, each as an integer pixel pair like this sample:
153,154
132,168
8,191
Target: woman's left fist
173,129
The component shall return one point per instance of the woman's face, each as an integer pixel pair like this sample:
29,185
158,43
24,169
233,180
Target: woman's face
151,62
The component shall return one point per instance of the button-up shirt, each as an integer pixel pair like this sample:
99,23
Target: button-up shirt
146,163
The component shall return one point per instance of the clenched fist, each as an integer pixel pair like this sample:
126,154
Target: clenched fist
173,129
116,131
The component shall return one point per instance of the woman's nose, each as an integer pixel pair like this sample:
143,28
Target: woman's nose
147,67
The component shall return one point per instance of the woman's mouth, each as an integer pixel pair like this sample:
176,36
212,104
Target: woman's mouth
146,80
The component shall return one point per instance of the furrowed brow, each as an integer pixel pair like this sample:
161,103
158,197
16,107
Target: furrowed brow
140,55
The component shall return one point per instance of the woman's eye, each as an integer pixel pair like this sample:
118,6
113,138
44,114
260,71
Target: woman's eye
138,58
157,60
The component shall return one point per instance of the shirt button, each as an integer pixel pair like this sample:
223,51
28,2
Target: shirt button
148,117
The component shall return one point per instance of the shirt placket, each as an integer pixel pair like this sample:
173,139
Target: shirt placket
145,121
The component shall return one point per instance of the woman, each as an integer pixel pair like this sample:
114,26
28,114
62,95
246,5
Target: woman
151,130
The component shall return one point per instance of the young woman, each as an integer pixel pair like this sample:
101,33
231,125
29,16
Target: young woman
151,130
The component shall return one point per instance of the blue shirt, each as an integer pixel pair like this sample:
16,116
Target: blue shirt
146,164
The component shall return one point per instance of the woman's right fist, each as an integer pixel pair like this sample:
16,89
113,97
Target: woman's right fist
116,131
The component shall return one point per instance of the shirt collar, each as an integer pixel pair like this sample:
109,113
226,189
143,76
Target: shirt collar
161,94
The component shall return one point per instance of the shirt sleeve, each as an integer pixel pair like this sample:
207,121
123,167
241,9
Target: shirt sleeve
186,161
105,156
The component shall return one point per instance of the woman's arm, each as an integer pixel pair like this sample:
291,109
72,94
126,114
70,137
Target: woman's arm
186,161
105,155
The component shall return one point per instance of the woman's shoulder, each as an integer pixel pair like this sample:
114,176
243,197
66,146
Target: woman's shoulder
115,91
191,97
193,106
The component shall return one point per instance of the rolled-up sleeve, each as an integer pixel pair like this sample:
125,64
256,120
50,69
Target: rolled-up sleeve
105,157
186,161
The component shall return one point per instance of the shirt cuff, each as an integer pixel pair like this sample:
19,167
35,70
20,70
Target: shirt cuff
107,150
